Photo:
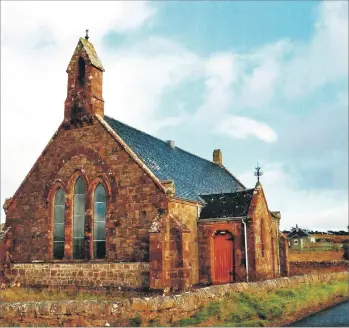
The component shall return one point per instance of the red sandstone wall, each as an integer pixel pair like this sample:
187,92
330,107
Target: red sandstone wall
2,259
300,268
205,235
275,234
87,95
187,213
284,262
95,152
133,275
264,265
2,251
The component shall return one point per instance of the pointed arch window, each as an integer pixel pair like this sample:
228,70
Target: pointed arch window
78,218
81,70
58,224
99,222
262,237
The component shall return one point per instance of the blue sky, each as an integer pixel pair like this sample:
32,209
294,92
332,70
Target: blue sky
264,81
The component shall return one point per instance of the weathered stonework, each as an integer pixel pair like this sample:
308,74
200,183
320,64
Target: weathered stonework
263,250
173,308
187,214
206,234
97,158
284,262
306,267
133,275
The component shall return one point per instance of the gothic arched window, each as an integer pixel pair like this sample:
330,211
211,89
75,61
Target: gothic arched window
81,70
99,223
262,237
78,218
58,224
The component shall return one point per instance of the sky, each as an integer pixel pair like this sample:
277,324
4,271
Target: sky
263,81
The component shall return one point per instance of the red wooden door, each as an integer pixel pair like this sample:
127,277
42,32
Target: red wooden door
223,258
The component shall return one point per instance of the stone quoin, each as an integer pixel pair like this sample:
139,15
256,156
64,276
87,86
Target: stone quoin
103,193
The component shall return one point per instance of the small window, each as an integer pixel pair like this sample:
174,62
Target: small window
58,224
78,218
295,241
81,70
262,237
99,223
143,218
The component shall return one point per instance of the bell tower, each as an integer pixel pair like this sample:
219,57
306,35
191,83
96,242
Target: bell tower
85,81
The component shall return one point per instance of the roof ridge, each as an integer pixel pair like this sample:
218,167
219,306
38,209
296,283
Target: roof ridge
228,193
183,150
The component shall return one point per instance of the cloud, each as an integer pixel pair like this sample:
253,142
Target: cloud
219,73
138,77
315,209
37,42
290,69
272,75
24,23
34,78
243,127
324,59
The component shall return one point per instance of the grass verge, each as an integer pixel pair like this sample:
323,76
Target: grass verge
260,309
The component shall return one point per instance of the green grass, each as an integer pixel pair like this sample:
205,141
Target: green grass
258,309
316,247
209,311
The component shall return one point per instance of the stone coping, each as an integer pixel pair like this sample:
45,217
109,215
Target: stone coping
184,302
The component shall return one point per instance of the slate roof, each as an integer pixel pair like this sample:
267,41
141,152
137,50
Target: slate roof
227,205
193,176
300,233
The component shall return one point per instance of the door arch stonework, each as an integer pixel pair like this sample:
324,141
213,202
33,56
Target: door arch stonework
222,257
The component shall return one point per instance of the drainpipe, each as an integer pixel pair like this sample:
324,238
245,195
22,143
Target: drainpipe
246,249
278,242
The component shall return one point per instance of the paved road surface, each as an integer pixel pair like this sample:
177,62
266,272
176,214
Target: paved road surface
337,316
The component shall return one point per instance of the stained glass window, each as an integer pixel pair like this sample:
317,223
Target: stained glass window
58,224
78,218
99,223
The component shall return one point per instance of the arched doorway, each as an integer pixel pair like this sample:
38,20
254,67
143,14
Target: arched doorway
223,257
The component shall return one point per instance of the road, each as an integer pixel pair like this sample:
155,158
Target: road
337,316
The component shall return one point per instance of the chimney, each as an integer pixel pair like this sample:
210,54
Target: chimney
297,227
217,157
171,143
169,186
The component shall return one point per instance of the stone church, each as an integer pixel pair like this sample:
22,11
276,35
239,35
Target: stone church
108,205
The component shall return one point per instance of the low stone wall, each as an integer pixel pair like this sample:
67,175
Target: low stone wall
297,268
131,275
173,307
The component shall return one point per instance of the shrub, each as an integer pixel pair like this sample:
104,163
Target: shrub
135,321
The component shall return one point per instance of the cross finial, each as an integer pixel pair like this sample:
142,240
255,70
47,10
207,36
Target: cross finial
258,172
86,36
